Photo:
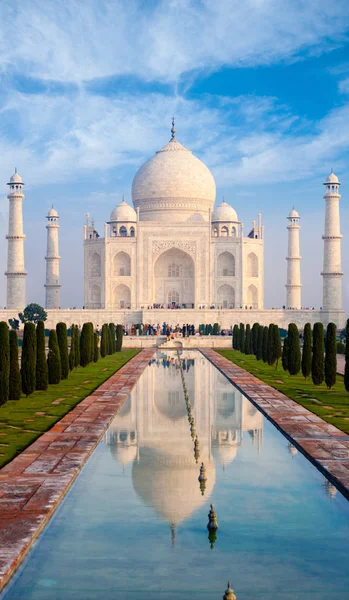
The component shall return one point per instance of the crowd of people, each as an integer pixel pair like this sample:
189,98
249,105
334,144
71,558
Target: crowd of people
170,331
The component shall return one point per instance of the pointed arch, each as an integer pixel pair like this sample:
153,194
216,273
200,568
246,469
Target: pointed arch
122,296
226,264
252,296
122,264
226,296
95,265
252,265
95,296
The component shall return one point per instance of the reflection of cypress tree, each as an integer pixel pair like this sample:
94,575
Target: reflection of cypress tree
41,362
331,356
212,537
259,354
15,375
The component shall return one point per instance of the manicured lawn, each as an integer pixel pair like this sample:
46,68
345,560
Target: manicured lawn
331,405
23,421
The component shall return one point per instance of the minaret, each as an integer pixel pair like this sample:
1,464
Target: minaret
53,288
293,285
15,273
332,272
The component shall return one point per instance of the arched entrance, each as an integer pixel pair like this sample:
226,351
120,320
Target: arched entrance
122,296
174,279
226,296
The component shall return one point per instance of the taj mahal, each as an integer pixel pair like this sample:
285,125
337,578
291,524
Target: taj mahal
174,249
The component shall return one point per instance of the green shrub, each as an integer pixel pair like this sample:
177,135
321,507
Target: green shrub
62,338
119,338
53,359
72,348
259,353
236,337
277,344
340,348
265,343
4,362
95,348
242,337
85,345
284,358
331,356
306,354
41,363
15,383
216,328
28,362
247,348
271,349
77,346
346,370
317,364
294,349
104,340
111,338
255,338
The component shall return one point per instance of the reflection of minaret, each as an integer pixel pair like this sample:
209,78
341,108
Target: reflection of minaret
292,449
330,489
173,535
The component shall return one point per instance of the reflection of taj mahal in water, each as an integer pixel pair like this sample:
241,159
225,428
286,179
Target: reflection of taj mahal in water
151,431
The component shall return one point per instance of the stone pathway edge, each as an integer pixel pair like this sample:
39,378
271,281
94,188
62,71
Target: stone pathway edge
325,446
34,483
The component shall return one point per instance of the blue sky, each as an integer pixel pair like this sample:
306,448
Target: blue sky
260,90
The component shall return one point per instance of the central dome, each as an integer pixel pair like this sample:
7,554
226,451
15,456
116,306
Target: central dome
174,185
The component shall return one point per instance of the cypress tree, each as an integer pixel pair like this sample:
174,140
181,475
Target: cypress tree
41,363
242,337
92,341
259,354
317,365
331,356
265,344
112,339
294,349
4,362
53,359
346,370
236,336
247,348
277,345
28,362
85,345
306,354
15,383
255,338
62,338
284,359
77,345
72,348
95,347
104,341
271,349
119,338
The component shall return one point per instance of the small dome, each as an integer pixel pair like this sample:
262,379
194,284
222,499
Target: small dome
16,178
224,212
332,178
293,214
124,212
52,212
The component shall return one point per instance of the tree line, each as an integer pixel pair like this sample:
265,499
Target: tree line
317,358
36,371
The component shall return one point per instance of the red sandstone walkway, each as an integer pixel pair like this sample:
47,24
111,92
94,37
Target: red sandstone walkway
323,444
32,485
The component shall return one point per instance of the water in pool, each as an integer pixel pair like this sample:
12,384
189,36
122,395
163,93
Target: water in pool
133,526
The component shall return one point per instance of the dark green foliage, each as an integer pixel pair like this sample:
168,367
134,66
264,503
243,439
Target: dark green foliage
340,348
62,338
77,345
15,383
28,362
33,313
92,341
119,337
306,354
284,359
4,362
255,338
294,349
259,353
112,340
95,348
72,348
104,340
331,356
247,348
277,344
53,359
14,324
265,344
41,362
317,365
271,350
85,345
216,328
242,337
346,370
236,337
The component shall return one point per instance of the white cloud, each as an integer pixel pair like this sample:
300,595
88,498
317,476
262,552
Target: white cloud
74,41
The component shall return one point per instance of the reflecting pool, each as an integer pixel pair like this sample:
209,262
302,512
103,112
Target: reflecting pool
134,524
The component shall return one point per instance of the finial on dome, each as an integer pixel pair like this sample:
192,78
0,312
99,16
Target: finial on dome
173,129
123,198
15,169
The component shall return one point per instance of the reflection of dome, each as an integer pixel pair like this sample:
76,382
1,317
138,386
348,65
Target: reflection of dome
224,212
122,453
171,404
225,453
169,483
173,182
123,212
